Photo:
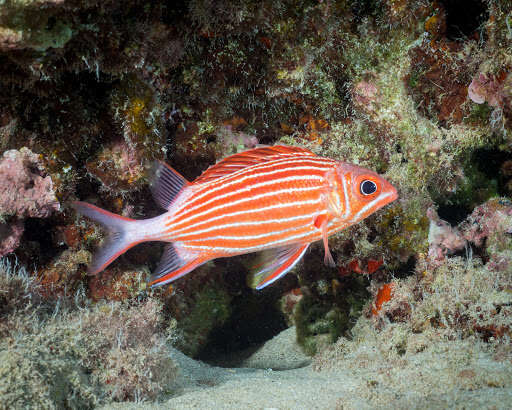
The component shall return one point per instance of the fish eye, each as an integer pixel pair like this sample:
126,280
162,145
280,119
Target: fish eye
367,187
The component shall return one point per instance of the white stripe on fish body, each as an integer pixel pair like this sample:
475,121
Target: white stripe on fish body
248,188
308,217
302,237
240,238
348,209
173,234
226,205
194,202
235,233
251,174
258,170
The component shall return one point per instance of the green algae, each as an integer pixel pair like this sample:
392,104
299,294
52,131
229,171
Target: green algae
328,311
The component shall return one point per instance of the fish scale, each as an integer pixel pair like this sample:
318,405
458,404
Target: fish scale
272,199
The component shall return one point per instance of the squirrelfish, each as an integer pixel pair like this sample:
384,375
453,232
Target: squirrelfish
273,199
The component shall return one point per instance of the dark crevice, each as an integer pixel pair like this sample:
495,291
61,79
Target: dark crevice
453,214
486,175
39,247
406,269
495,165
464,17
255,319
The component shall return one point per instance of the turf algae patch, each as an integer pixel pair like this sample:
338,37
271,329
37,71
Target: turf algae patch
67,353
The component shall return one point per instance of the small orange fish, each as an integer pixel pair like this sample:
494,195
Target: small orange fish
273,199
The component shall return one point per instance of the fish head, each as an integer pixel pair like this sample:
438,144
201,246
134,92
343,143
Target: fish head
357,193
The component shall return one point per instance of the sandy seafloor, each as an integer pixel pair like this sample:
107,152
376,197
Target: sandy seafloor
451,375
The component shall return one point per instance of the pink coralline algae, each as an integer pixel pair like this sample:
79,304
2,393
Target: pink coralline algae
443,239
365,95
24,193
118,166
488,229
488,89
10,235
490,226
494,216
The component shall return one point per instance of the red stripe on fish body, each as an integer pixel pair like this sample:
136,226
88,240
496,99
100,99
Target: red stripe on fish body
261,206
246,181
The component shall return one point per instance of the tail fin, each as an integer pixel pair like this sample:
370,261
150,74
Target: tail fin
117,241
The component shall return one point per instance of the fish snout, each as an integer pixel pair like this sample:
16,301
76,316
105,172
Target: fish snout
390,192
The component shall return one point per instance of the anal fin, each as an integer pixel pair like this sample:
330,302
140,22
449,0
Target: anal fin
276,263
173,266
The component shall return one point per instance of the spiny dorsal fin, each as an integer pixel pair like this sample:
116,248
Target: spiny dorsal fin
250,157
166,184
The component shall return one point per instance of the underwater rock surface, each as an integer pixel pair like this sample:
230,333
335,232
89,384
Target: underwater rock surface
25,192
417,309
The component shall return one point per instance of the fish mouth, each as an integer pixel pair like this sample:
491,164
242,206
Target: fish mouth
388,197
394,195
391,194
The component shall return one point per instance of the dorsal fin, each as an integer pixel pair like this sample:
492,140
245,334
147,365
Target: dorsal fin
166,184
250,157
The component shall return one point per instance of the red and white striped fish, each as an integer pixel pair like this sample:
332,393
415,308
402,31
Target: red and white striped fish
273,199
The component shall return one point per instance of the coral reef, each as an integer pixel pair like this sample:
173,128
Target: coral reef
489,226
93,92
453,309
461,299
455,297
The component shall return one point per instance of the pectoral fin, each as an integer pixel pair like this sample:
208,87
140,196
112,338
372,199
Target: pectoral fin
322,223
275,264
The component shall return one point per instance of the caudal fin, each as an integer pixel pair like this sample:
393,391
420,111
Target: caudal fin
115,243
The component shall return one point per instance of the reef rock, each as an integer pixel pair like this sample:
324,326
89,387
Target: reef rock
25,192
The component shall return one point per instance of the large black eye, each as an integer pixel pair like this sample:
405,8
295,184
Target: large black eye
367,187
